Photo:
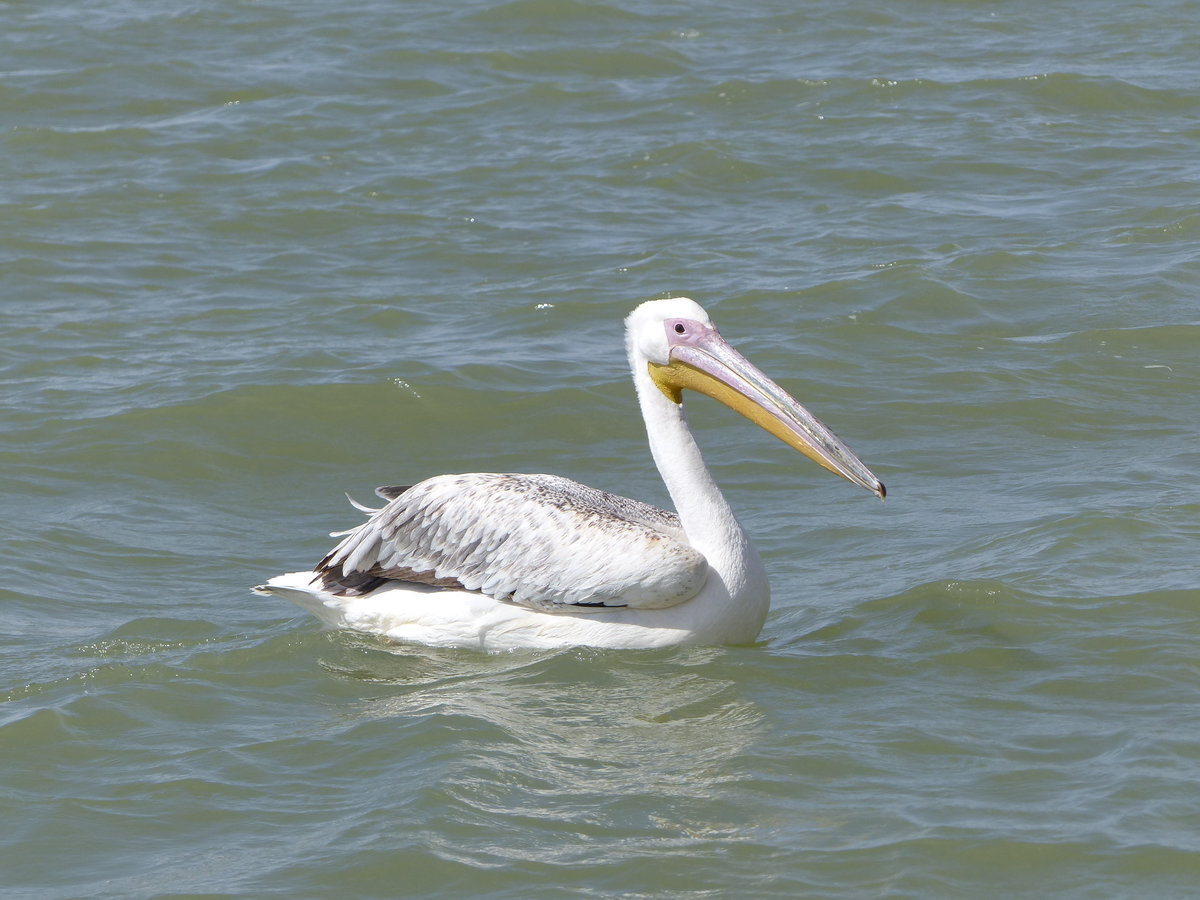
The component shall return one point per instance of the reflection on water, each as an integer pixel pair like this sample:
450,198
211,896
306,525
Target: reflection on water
551,748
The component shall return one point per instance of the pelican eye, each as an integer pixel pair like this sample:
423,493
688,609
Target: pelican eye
679,329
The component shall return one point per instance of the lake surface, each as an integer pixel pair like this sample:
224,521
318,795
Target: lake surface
256,254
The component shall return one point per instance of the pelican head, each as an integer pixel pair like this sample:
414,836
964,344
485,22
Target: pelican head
684,350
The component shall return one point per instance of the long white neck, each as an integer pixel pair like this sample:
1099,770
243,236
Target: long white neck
703,511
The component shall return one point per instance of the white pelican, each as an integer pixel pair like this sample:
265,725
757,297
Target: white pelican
505,561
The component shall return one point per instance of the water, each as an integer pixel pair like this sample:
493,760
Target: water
257,254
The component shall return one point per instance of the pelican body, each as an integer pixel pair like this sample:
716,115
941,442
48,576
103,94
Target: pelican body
503,561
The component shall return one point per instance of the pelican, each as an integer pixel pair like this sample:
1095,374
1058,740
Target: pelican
499,562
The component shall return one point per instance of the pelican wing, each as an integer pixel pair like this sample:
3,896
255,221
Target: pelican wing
540,541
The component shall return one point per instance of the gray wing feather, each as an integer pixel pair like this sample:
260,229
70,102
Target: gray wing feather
537,540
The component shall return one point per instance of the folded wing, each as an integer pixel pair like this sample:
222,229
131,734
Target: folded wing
540,541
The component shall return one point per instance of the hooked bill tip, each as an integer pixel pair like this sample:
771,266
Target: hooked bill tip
882,490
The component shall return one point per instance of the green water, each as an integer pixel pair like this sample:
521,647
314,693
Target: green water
255,254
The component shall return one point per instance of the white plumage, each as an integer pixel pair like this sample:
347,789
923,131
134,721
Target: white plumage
540,541
502,561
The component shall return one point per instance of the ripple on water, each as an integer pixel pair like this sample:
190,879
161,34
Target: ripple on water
260,255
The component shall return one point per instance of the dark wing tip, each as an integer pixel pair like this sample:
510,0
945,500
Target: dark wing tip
392,491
